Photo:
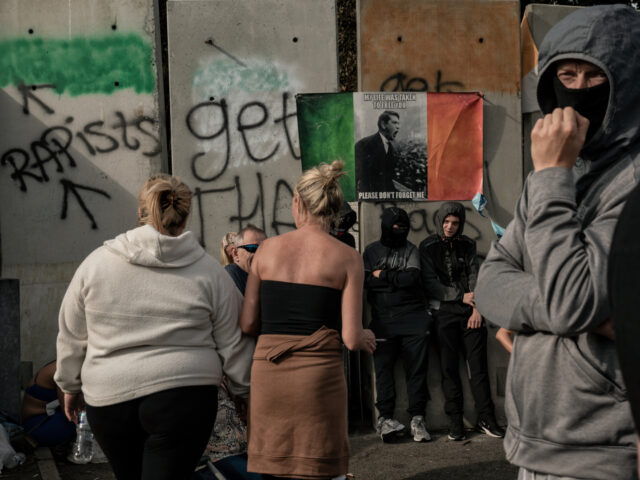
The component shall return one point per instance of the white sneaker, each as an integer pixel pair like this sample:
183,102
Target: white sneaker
388,428
418,429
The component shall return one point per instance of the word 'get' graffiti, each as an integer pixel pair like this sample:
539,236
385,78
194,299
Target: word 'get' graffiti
251,123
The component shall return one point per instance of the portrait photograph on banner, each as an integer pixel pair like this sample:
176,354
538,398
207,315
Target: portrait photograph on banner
390,133
396,145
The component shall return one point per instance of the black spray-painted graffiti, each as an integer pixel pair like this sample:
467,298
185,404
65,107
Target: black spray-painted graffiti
248,130
55,146
399,82
258,207
220,110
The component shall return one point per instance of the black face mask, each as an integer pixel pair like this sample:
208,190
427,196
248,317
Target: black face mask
394,237
589,102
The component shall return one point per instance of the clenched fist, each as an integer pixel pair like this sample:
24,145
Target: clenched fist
556,139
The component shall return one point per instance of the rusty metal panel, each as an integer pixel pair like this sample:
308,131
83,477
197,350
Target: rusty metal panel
451,46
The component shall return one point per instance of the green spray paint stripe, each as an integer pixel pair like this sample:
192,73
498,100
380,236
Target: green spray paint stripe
80,65
218,78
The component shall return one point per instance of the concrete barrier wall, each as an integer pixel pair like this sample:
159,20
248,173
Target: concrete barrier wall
80,133
441,46
80,103
234,68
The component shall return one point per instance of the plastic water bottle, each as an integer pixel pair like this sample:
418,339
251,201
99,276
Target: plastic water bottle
98,455
82,450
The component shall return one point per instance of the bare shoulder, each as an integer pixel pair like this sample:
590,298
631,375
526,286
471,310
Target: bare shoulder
272,244
349,255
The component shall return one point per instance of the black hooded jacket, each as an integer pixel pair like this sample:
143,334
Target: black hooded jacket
396,299
449,265
347,220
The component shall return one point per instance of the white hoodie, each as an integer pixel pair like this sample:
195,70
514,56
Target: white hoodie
148,312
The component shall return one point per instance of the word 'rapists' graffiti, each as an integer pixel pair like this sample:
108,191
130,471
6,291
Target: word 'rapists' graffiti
55,149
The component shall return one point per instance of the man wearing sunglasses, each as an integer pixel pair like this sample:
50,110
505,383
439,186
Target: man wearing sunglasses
244,246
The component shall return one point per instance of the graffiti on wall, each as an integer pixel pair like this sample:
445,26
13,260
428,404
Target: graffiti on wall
244,144
423,220
77,66
401,82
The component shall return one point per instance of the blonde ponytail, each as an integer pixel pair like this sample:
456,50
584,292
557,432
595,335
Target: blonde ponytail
164,203
320,192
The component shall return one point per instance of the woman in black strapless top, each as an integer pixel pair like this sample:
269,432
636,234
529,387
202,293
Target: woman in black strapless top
304,287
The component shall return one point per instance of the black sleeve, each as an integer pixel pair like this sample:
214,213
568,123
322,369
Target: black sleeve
471,261
401,278
433,287
371,282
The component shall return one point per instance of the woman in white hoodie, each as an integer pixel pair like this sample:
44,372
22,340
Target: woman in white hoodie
147,327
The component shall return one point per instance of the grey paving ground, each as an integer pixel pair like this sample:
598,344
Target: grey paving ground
479,457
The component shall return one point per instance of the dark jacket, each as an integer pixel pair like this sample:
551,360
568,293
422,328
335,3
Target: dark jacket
566,402
397,303
449,265
238,275
347,220
374,166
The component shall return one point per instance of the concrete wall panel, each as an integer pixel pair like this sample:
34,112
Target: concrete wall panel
80,134
440,46
234,68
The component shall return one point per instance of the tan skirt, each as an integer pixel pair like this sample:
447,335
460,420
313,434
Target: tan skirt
298,407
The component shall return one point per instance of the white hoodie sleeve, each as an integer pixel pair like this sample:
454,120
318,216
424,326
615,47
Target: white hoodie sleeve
235,348
71,343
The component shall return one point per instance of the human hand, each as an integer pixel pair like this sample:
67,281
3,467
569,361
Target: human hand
475,320
469,299
557,138
505,337
606,329
368,341
376,273
73,404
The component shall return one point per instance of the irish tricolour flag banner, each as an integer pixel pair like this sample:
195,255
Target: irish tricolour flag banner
396,145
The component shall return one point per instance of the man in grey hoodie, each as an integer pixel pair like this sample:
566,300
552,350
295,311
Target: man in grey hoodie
566,404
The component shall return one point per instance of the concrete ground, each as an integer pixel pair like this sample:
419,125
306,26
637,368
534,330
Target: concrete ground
479,458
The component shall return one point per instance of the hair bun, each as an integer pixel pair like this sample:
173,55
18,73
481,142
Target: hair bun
164,202
333,172
172,198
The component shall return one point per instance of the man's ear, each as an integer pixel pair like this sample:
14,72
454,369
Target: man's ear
234,253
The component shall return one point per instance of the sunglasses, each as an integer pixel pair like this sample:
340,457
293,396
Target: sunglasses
251,248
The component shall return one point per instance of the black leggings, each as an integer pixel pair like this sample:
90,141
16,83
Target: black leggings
160,436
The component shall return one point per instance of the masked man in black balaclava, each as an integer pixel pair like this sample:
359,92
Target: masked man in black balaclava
546,279
400,321
449,270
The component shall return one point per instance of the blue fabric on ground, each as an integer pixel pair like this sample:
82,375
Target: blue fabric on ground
49,431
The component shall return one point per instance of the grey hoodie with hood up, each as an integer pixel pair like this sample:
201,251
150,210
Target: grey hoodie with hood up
566,402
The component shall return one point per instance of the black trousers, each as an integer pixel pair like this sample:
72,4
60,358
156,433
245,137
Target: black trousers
413,350
159,436
455,338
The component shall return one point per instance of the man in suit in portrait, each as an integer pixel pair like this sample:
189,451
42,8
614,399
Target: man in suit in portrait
375,157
